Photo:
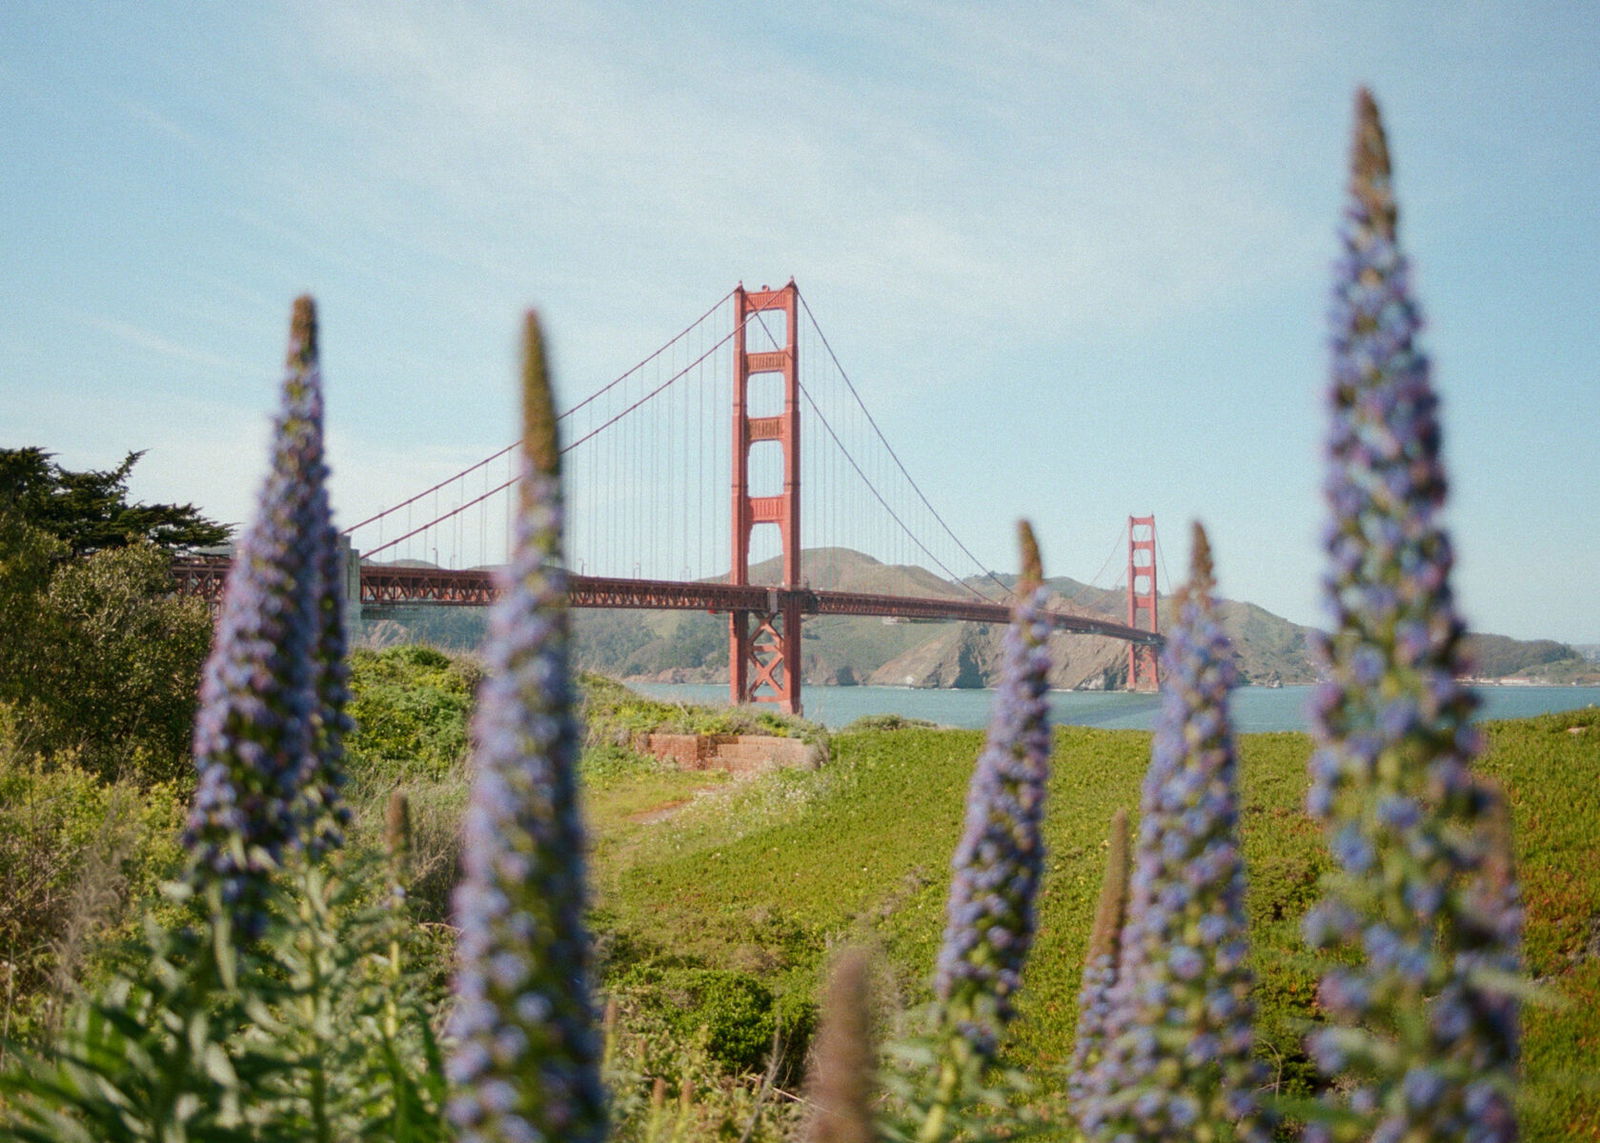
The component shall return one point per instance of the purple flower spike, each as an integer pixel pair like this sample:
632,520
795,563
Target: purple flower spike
1176,1059
526,1059
264,709
1420,896
998,862
322,803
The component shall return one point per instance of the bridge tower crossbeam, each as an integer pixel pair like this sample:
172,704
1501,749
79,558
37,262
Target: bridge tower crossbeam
764,646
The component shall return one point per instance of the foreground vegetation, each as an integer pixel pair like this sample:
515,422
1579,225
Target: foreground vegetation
720,901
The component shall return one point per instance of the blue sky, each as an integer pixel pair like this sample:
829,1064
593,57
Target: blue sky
1076,256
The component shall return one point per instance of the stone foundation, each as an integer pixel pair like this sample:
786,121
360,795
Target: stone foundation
735,753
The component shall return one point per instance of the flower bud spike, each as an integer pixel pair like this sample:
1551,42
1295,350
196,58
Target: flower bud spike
1419,1043
840,1088
1182,975
539,443
526,1062
1371,180
1032,567
1099,967
397,835
303,353
1202,578
1113,903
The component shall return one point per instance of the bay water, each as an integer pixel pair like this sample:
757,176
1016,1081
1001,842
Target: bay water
1254,709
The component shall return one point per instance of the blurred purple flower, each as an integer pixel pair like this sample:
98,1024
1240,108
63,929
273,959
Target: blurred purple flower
1408,822
1178,1039
525,1063
1000,857
271,700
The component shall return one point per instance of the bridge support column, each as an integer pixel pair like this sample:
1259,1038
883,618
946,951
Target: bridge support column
350,570
1144,672
764,646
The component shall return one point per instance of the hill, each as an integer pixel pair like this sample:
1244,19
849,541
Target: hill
686,646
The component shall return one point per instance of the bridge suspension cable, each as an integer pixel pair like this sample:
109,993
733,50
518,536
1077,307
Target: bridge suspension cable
915,487
702,356
647,495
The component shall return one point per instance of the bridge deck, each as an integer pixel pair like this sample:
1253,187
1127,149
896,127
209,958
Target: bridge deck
401,586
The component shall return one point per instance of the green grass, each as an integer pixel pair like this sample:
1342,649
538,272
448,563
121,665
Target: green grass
766,875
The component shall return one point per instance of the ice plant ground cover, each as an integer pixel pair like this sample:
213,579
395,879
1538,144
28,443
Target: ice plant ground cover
286,992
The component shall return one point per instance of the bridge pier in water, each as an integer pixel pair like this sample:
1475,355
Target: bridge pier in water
764,646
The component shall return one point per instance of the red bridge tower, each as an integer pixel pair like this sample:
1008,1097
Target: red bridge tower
1144,673
764,646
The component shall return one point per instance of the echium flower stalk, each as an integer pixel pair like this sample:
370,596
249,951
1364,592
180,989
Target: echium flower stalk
1422,1038
1176,1061
526,1058
322,802
1100,967
998,863
255,737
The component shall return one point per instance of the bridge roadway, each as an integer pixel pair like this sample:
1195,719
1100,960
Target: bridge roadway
402,586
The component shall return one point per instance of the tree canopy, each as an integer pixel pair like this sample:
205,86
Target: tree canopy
89,511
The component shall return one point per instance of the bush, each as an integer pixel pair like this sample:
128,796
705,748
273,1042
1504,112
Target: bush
76,854
104,660
737,1015
889,722
412,705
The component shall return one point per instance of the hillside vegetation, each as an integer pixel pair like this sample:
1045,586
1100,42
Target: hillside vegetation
719,900
764,877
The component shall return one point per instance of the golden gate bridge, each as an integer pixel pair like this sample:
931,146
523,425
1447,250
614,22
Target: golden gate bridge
645,455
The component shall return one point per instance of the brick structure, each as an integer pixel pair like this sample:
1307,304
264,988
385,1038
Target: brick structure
735,753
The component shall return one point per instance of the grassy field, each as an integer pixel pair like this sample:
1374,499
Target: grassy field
765,876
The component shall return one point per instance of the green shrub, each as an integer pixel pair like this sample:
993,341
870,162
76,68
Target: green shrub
736,1013
76,856
320,1030
102,659
412,705
889,722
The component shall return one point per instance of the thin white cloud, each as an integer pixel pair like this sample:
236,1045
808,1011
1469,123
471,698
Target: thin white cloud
150,117
166,347
575,153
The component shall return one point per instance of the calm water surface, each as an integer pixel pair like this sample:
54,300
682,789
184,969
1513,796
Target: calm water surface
1254,708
